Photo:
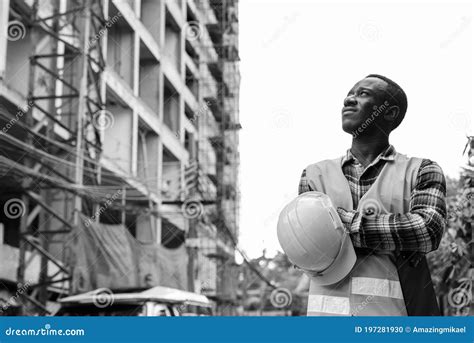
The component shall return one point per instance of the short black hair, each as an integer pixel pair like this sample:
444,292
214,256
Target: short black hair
396,94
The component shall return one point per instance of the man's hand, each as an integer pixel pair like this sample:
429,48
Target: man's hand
350,219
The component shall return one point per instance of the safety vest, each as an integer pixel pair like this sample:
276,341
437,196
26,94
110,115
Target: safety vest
381,283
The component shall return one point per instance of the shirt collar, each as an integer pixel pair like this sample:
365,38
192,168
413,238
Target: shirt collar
388,155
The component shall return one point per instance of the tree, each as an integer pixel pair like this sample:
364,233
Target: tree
451,264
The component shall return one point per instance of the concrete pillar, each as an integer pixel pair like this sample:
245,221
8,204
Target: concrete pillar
4,10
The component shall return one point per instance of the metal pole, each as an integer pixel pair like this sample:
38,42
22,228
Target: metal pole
43,218
26,183
82,111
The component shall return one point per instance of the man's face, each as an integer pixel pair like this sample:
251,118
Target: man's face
364,106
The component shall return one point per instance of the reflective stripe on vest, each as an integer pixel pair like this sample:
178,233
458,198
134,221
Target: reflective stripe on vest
329,305
376,287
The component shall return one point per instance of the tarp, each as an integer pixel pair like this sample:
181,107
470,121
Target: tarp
159,266
104,255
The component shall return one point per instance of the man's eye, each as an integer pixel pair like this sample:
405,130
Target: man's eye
364,93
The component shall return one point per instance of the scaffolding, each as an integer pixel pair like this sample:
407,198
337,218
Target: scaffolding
53,157
73,30
218,129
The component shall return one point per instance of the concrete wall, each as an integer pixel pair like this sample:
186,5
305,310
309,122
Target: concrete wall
148,173
173,46
18,66
149,84
118,138
152,16
120,51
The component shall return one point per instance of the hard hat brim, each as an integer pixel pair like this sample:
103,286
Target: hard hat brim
340,268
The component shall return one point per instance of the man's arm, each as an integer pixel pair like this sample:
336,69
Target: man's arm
419,230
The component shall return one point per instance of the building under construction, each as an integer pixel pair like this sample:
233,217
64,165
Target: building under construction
119,148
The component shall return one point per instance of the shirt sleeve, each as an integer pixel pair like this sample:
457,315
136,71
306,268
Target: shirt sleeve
304,184
419,230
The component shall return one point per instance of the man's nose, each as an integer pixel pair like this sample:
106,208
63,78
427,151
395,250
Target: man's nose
350,101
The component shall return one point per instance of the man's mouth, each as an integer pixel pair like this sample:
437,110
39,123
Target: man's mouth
348,110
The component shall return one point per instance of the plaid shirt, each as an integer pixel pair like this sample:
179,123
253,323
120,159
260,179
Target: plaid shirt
420,229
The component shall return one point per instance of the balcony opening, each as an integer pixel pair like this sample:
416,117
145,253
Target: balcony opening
171,236
120,47
147,158
151,17
172,42
171,107
171,176
192,83
149,79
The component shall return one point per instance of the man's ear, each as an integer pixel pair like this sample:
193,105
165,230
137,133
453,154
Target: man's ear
392,113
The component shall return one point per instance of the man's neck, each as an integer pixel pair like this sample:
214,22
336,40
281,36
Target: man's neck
366,149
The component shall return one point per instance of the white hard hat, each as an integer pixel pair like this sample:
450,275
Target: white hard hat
314,239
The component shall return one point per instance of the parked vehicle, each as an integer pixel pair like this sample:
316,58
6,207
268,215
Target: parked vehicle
156,301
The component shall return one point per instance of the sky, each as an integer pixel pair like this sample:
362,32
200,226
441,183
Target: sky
298,61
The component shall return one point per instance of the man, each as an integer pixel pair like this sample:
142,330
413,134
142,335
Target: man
393,207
